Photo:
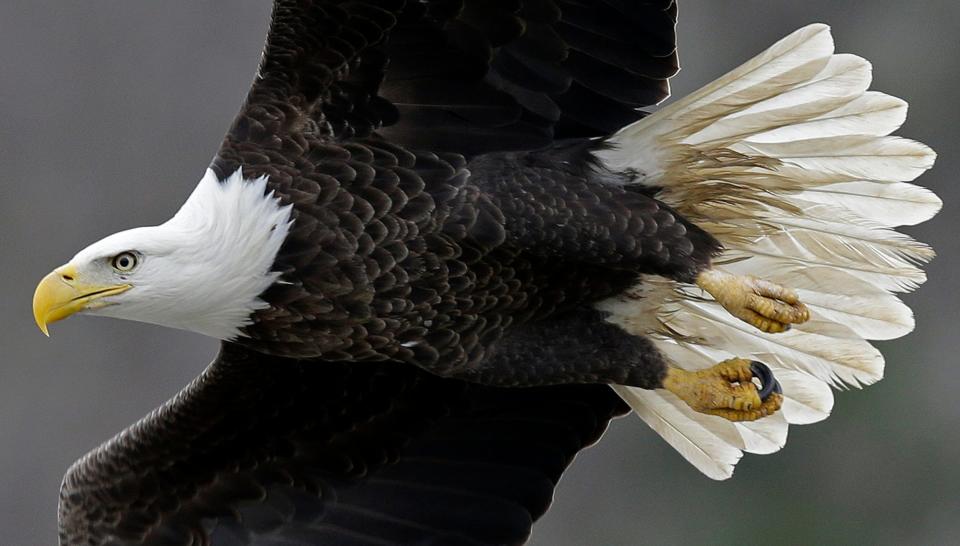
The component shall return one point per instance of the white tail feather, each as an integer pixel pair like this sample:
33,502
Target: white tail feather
690,433
810,399
844,158
886,204
764,436
872,113
786,161
843,78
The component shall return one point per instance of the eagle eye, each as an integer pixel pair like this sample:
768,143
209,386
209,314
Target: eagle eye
125,261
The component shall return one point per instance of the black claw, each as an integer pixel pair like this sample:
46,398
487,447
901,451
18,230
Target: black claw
768,383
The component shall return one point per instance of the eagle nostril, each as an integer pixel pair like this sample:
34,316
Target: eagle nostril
66,277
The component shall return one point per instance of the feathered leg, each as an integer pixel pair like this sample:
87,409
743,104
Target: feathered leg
581,347
577,347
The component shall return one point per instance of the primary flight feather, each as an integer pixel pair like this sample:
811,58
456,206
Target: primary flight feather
460,196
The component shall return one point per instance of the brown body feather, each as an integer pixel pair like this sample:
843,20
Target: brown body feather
438,221
431,256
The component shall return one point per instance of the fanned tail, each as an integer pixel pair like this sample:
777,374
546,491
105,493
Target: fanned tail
785,160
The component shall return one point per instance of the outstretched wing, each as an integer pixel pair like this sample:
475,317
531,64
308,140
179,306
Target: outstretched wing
465,76
261,450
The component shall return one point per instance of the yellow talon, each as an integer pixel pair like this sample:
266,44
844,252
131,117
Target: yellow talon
726,390
767,306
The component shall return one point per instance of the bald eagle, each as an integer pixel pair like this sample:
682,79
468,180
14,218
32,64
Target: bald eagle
439,232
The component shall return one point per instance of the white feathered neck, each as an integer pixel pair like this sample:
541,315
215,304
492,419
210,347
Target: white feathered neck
205,268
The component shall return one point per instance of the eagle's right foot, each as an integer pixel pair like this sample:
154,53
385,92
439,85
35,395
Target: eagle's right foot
727,389
765,305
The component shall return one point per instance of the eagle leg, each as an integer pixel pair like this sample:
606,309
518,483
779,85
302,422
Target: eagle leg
763,304
577,347
727,389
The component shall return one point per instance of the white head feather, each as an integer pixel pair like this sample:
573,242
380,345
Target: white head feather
204,269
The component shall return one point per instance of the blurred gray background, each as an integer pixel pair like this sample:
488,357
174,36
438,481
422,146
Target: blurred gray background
110,111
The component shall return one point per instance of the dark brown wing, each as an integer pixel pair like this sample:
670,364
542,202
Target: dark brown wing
464,76
262,450
512,75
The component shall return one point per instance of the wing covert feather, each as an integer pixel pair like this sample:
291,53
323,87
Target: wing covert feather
461,76
261,450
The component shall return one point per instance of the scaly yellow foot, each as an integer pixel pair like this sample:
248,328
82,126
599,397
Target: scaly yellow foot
765,305
727,390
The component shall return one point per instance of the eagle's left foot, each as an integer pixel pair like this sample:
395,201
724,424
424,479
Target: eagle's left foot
765,305
727,389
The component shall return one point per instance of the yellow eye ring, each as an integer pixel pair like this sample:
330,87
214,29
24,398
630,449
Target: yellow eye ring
124,262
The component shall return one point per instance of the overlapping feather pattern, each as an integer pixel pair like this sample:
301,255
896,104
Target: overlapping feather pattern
786,160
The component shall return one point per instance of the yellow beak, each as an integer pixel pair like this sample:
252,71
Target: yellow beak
61,294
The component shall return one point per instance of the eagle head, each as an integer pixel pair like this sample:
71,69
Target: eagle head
203,270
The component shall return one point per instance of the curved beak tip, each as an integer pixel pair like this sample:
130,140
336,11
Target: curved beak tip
62,293
50,294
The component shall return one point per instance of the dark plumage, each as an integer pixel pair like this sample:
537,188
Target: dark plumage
480,240
430,256
448,213
263,450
